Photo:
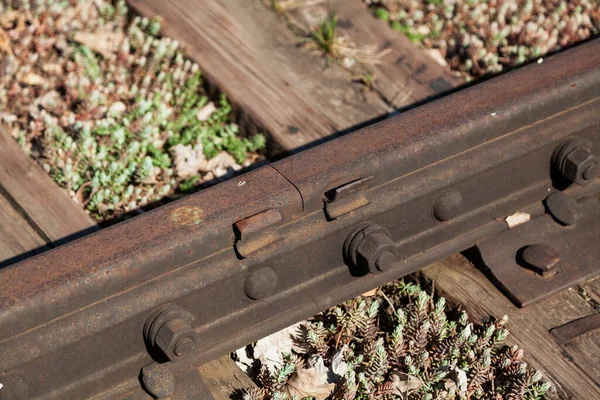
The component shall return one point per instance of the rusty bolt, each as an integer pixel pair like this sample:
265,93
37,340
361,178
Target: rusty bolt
542,259
158,380
169,330
576,162
184,346
173,338
370,247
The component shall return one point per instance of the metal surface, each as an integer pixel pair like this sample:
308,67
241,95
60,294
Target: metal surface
266,249
542,257
575,329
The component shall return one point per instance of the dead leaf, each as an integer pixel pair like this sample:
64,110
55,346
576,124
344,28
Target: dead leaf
339,367
205,112
5,43
404,384
269,350
116,109
32,79
517,219
370,293
104,43
8,19
311,381
52,69
456,378
437,57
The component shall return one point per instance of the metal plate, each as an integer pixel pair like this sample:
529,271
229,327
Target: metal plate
577,246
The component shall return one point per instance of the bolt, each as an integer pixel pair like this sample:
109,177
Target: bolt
169,330
385,260
448,205
158,380
370,247
184,346
590,172
542,259
575,161
260,283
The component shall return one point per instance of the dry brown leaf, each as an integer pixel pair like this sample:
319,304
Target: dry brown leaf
404,384
310,382
32,79
205,112
8,19
269,350
370,293
104,43
5,43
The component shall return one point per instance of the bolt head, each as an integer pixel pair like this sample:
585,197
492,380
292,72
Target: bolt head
261,283
563,208
541,258
580,166
158,380
448,205
377,252
172,334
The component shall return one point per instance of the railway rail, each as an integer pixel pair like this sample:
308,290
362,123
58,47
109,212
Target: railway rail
508,167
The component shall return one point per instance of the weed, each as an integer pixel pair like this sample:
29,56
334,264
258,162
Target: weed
404,343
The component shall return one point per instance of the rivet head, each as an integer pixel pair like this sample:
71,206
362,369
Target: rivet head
563,208
261,283
448,205
158,380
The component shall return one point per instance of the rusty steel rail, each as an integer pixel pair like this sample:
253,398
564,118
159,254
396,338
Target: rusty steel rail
181,285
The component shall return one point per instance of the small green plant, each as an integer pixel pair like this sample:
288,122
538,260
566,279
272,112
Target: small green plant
325,36
114,113
404,343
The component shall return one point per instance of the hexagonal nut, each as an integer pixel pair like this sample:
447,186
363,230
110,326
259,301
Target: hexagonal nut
580,166
377,252
173,339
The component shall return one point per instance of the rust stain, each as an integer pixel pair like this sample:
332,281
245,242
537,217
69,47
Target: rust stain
187,216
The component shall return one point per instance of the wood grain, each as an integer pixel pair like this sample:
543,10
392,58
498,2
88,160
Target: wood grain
18,240
224,378
248,52
593,289
406,74
48,209
461,283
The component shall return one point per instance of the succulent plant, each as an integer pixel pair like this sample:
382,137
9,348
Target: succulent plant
114,113
479,37
405,343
